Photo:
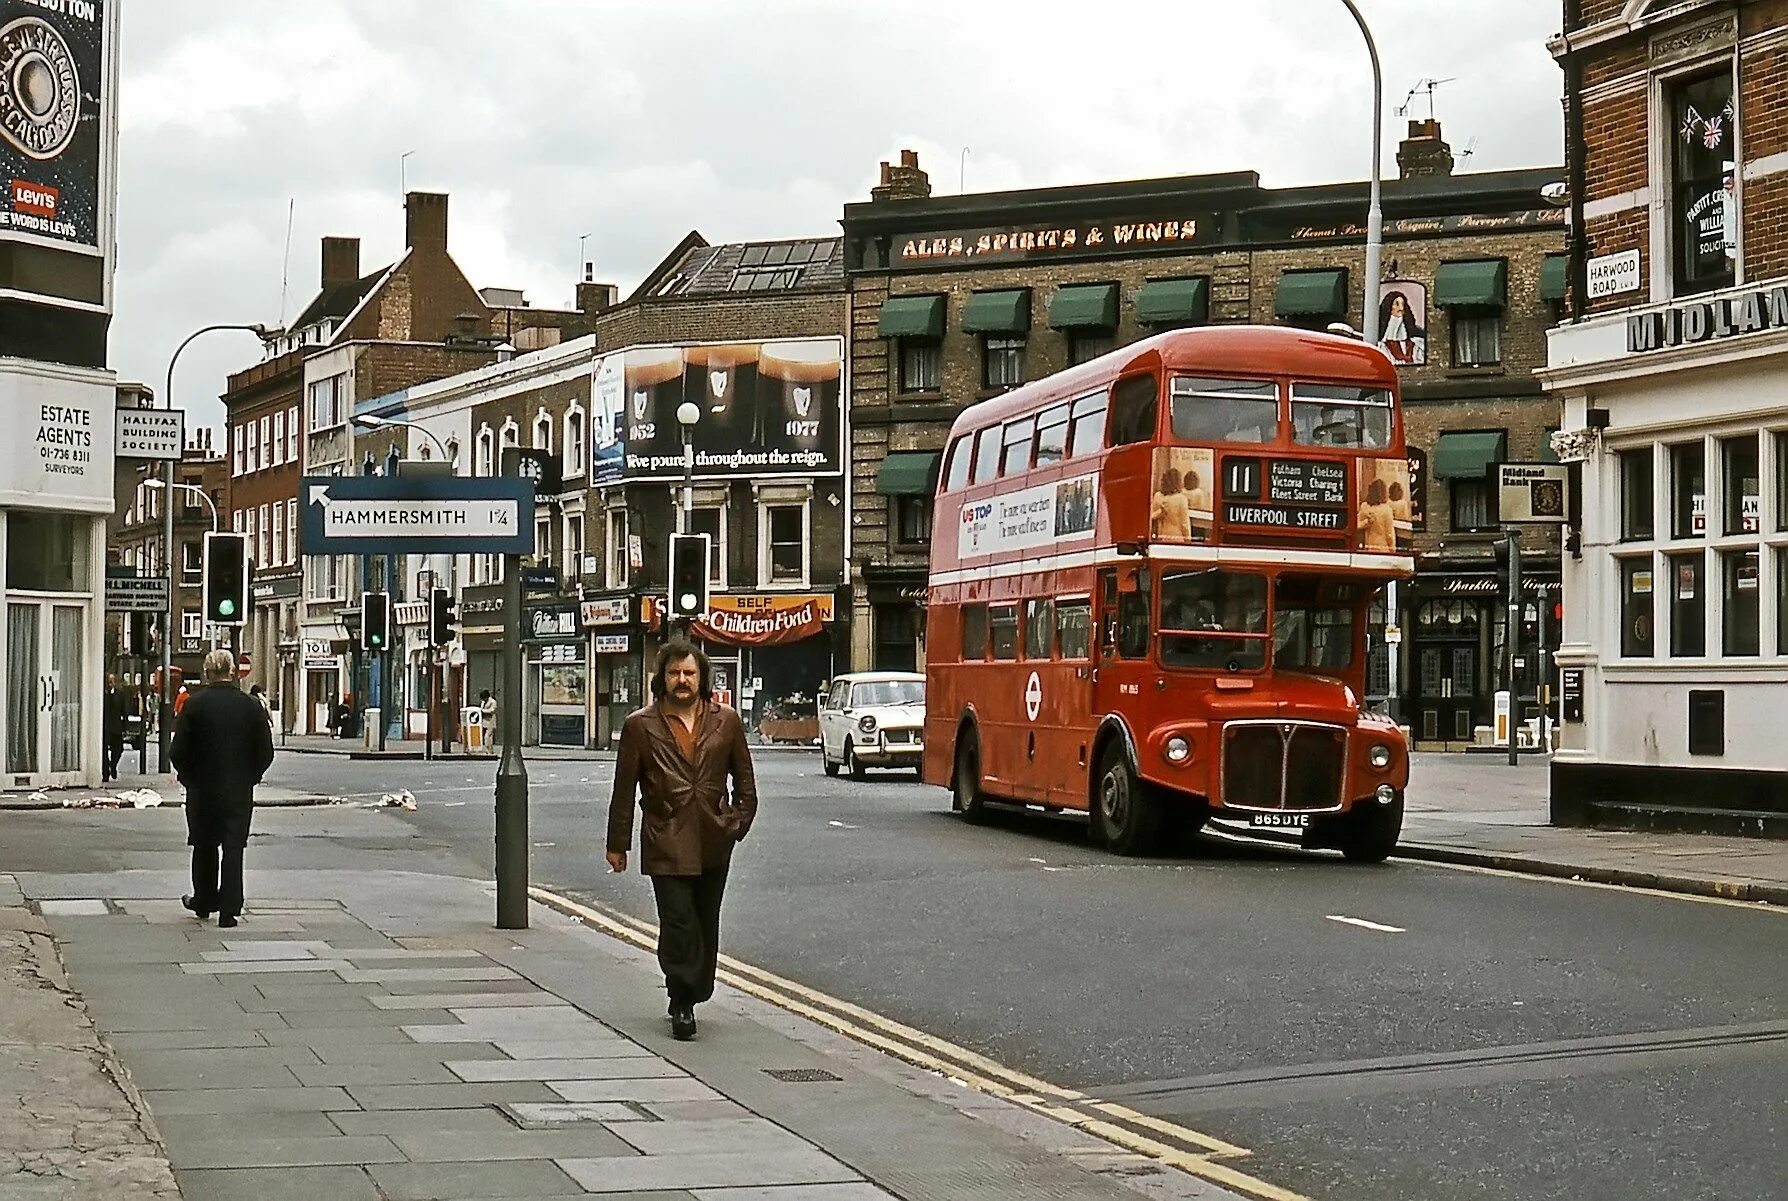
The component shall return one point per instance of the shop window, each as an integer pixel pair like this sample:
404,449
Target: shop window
1636,610
1086,426
1741,623
1002,361
1738,469
974,633
1636,495
921,365
1703,205
1074,629
1052,435
1473,507
783,533
1086,345
1688,606
912,520
1002,631
1039,628
1688,491
1477,337
1015,452
1782,601
711,520
47,552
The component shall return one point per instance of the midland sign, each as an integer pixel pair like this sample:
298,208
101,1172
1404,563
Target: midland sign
369,514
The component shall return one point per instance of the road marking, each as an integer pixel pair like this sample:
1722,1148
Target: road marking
841,825
1631,889
1363,924
970,1068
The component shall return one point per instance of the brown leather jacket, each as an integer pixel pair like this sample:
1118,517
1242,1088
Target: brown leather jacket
691,823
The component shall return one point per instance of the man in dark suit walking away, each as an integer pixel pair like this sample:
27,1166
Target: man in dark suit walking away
677,755
222,747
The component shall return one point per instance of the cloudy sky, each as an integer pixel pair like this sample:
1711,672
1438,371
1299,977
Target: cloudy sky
634,121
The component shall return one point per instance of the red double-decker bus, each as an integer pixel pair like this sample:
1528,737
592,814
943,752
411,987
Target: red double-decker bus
1149,592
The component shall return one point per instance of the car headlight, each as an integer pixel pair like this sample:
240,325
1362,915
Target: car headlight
866,724
1177,749
1379,756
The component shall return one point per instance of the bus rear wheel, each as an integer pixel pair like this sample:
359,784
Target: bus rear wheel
1126,814
965,796
1370,835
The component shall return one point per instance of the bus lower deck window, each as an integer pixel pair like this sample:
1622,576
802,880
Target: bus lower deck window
1002,628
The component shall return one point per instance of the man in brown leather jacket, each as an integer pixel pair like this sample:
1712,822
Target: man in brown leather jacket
677,755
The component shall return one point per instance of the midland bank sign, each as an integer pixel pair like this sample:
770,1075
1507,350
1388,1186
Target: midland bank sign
1707,320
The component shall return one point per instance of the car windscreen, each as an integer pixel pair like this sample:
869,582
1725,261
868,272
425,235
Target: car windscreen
889,692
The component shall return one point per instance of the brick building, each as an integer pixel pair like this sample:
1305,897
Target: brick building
1669,370
954,299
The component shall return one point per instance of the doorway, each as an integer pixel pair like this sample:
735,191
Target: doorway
45,712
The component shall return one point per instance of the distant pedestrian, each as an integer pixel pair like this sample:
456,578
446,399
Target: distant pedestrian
678,755
487,718
180,699
222,747
341,721
112,719
260,695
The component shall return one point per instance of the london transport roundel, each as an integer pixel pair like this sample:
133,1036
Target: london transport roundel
1033,696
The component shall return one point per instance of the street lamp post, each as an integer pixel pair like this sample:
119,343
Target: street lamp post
1374,214
216,520
167,532
687,415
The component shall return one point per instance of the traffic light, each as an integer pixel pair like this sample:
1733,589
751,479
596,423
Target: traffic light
1508,559
689,575
440,617
375,621
225,591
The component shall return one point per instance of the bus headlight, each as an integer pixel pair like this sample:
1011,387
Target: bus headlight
866,724
1379,757
1177,749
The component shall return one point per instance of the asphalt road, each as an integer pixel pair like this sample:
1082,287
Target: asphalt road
1511,1038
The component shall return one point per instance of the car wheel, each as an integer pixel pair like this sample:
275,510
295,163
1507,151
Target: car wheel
966,796
851,764
1126,814
830,767
1370,834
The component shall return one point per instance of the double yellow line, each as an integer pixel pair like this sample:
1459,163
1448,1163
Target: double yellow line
1165,1142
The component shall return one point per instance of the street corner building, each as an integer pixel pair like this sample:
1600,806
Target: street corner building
1674,662
56,475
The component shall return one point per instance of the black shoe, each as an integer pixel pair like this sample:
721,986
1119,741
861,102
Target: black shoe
682,1023
188,904
226,921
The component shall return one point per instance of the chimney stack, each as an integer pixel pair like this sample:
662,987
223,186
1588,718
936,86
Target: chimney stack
341,261
425,220
1424,152
593,297
904,182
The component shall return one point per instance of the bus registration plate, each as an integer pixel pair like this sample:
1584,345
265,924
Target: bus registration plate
1279,821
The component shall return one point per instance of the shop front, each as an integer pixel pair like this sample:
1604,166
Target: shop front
897,616
773,654
556,676
324,662
270,639
614,641
1455,625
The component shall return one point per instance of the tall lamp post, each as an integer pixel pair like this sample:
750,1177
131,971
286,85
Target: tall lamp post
688,413
216,520
1374,214
165,721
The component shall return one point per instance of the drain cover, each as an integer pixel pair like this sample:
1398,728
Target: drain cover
802,1075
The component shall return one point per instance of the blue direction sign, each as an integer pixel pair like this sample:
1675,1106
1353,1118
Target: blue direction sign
399,515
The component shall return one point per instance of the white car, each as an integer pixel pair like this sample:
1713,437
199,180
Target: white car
873,719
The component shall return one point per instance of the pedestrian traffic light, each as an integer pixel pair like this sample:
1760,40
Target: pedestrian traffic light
440,617
689,575
225,590
375,621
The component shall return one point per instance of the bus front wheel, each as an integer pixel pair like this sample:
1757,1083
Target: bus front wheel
1126,811
1370,835
966,796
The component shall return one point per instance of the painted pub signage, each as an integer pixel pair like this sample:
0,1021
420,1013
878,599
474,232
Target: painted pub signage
1018,243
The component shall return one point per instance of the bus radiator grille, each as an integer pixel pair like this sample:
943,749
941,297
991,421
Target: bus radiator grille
1283,765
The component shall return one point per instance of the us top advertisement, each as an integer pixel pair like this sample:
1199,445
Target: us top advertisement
56,121
762,410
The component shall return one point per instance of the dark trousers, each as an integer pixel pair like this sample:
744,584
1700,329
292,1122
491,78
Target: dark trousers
212,890
689,933
114,752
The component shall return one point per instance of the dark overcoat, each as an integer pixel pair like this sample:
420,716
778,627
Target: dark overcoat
692,817
222,748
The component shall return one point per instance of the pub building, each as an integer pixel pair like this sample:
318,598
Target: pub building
1673,669
955,299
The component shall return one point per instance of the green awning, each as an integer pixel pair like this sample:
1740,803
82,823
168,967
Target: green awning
1007,312
1468,455
1174,302
1483,283
1547,454
908,473
1552,276
1084,306
1311,294
911,317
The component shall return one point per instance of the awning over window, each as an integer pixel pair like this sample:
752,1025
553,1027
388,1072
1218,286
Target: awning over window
908,473
1084,306
1552,276
1174,302
1007,312
1483,283
1311,294
1468,455
911,317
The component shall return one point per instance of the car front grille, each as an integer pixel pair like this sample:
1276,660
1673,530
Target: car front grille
1283,765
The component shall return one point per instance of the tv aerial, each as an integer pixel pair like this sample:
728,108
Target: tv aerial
1423,87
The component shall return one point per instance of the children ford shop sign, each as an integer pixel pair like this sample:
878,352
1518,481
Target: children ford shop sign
765,619
1708,320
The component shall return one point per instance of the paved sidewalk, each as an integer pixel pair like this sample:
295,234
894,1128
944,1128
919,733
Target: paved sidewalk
371,1036
1476,809
133,790
351,748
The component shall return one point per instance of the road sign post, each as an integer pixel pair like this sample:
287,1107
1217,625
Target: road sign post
512,773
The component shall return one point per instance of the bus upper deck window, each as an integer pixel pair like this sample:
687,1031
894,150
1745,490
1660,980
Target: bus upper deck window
1086,429
1133,410
1340,415
1015,458
956,475
1224,410
987,454
1052,435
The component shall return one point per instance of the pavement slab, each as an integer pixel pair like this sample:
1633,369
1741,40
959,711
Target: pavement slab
471,1181
278,1184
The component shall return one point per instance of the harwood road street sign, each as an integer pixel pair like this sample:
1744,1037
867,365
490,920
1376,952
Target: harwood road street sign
398,515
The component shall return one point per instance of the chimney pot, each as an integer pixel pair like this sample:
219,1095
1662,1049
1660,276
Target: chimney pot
425,220
1424,151
909,158
341,261
905,182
